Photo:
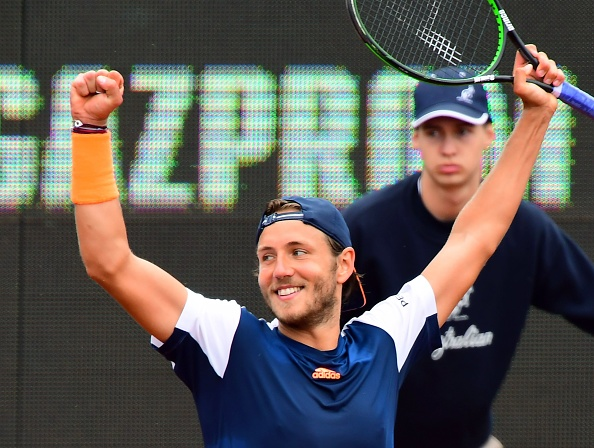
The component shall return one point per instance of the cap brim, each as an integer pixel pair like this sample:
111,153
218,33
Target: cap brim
452,111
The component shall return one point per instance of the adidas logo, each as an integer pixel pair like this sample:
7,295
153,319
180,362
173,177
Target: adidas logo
321,373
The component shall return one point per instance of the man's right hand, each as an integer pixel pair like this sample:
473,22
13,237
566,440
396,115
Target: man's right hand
94,95
547,72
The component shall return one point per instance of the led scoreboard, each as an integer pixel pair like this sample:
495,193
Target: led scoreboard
307,116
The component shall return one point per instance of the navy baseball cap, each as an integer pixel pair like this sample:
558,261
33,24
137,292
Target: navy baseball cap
324,216
463,102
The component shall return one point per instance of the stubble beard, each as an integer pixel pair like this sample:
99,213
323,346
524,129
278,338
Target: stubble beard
319,311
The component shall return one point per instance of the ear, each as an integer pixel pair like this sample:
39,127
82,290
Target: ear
414,138
415,142
490,133
346,265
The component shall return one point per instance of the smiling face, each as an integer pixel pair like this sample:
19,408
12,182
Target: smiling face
452,150
299,276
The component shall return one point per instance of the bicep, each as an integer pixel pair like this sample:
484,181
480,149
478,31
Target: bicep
149,294
152,296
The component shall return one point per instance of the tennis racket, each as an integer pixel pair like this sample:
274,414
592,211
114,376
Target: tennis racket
419,37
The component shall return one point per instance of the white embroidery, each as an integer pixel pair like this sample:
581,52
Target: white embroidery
472,338
466,95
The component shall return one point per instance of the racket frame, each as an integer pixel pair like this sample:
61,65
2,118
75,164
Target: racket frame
505,29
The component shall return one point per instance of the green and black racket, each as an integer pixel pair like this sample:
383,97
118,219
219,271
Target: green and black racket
419,37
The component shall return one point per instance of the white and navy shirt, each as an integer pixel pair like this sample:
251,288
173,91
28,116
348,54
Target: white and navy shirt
254,387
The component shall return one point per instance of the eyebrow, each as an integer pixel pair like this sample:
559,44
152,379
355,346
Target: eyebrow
289,244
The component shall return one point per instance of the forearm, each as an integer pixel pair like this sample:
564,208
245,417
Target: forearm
102,237
99,221
489,214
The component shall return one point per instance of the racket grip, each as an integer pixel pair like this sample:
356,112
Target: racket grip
576,98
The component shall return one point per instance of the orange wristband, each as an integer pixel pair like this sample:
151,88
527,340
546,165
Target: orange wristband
93,178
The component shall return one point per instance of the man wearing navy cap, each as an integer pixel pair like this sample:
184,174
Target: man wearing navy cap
447,397
300,380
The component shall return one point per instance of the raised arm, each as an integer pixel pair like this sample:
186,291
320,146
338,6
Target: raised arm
483,222
149,294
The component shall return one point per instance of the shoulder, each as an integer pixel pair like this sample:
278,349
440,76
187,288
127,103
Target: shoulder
203,318
533,229
530,210
410,308
407,317
533,219
210,327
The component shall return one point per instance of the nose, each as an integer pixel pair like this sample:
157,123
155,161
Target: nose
448,146
282,267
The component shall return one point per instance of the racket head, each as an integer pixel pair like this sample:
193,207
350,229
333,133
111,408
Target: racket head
420,37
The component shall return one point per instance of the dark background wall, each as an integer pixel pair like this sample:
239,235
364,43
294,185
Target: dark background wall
75,370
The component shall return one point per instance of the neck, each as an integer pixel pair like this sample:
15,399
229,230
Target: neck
445,202
322,336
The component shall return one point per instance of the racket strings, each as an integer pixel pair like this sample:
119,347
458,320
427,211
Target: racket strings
431,34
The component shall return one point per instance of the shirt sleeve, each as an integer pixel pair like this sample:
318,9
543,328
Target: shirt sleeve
211,323
406,316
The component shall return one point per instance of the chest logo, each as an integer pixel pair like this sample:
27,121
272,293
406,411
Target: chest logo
322,373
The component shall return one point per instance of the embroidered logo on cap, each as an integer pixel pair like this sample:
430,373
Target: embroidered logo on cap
467,95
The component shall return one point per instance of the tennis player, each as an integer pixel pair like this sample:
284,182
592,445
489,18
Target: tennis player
299,380
447,397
